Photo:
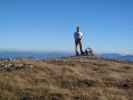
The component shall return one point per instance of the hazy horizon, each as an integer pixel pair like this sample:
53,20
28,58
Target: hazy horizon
60,52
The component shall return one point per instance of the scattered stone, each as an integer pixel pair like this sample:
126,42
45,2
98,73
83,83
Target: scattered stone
9,66
125,84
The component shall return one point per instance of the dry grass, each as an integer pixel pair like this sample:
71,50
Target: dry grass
68,79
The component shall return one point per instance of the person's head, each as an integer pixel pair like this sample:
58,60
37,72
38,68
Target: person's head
78,28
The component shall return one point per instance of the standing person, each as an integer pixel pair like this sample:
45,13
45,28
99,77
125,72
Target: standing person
78,41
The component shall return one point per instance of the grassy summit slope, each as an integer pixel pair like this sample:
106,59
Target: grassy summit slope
72,78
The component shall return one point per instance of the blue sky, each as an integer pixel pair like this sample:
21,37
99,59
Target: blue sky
48,25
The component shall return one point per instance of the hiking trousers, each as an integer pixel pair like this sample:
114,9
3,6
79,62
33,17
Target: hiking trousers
78,42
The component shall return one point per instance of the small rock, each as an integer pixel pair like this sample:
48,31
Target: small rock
8,65
19,65
31,66
125,84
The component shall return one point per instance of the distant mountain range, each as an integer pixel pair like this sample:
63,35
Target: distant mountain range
118,56
43,55
34,54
